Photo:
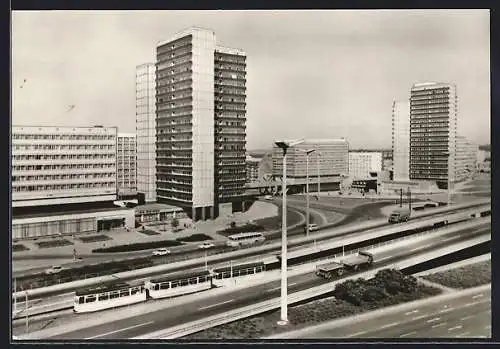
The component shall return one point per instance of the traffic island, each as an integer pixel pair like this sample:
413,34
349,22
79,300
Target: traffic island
389,287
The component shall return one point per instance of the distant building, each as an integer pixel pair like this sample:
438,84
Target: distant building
201,124
433,132
401,140
64,181
361,164
145,126
465,159
252,166
126,165
331,156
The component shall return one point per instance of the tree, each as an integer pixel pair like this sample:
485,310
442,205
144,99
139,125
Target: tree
174,222
233,224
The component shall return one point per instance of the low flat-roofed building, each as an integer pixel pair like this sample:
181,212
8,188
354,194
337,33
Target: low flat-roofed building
70,222
157,212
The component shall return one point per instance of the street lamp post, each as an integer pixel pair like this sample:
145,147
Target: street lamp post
319,187
449,177
308,152
284,145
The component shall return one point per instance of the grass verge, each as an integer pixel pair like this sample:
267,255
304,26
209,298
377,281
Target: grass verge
472,275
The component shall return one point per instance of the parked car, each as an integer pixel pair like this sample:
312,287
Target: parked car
206,245
54,269
161,252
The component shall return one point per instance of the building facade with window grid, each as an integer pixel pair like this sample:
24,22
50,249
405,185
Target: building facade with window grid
63,165
433,132
126,180
465,158
331,156
201,113
252,167
362,163
145,107
401,140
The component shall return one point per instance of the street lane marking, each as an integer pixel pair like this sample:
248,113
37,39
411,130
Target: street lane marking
357,334
451,237
419,317
466,317
434,320
216,304
455,328
421,247
390,325
446,310
411,312
383,259
293,283
408,334
439,325
463,334
273,289
470,304
121,329
477,296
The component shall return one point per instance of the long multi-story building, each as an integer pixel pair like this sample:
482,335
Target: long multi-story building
433,131
64,181
331,157
145,111
201,116
361,164
63,165
465,158
126,180
401,140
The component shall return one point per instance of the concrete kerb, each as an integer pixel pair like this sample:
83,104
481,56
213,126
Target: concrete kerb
383,311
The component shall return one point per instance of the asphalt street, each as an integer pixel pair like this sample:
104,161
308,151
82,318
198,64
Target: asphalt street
460,316
165,318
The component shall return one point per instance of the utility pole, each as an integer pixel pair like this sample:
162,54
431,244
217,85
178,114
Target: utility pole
206,261
401,197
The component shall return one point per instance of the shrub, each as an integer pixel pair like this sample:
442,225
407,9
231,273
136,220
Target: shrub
194,238
374,294
138,246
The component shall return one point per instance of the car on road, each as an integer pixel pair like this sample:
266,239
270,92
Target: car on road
161,252
54,269
268,197
205,245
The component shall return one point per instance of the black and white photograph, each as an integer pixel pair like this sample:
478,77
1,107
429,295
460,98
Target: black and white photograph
238,175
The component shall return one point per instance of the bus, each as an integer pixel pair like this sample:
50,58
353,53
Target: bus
245,239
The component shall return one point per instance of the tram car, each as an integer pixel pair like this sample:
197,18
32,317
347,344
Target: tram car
234,272
108,296
179,284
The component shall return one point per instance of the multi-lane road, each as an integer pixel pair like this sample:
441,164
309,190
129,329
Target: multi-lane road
461,315
158,319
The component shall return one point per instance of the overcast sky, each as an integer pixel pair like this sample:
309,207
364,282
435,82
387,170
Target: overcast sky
314,74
